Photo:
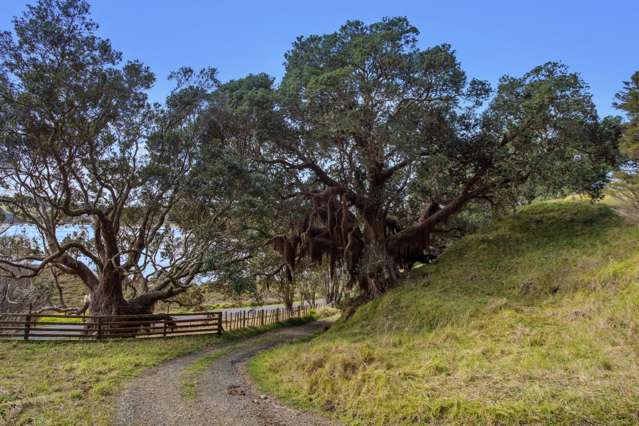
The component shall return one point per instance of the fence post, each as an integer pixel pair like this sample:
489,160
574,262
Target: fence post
277,314
220,329
164,327
27,324
99,319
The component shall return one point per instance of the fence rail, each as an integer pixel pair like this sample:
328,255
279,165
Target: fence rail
261,317
28,326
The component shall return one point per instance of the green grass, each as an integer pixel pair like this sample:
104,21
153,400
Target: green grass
56,383
60,320
76,383
73,289
531,321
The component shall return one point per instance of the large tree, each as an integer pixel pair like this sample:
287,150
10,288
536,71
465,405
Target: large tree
80,145
384,143
243,112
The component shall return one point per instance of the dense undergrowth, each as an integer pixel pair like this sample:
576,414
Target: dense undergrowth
533,320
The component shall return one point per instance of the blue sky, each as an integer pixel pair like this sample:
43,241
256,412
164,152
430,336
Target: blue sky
599,39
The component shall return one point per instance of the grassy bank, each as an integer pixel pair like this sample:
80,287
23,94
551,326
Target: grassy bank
75,383
533,320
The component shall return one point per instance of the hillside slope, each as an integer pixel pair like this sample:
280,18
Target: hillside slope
533,320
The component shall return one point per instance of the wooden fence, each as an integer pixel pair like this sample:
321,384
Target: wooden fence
76,327
261,317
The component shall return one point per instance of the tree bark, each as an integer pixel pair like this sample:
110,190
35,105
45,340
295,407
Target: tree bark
379,269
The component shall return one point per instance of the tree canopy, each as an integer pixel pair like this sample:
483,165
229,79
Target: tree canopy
361,159
82,145
625,185
628,101
387,142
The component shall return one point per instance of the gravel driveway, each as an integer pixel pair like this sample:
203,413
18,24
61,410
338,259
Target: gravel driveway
224,397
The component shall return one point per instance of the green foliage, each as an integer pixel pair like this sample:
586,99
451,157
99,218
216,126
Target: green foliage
625,186
529,321
365,119
80,143
628,101
368,89
58,68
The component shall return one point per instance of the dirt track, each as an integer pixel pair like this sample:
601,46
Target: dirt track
224,395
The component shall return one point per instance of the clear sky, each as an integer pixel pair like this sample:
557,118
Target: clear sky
598,38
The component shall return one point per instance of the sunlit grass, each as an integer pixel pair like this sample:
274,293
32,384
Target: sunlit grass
60,320
533,320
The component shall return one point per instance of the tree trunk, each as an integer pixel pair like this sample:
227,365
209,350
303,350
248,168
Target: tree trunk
108,298
379,269
288,296
333,286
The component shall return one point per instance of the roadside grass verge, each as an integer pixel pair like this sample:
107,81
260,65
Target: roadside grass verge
75,383
531,321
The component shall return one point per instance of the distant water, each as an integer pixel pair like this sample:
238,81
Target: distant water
31,231
84,232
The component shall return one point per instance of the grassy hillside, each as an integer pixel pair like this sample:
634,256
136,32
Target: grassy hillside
533,320
73,290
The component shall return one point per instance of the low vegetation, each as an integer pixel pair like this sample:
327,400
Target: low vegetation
56,383
532,320
74,383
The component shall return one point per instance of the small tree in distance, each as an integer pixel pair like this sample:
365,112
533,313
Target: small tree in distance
625,186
